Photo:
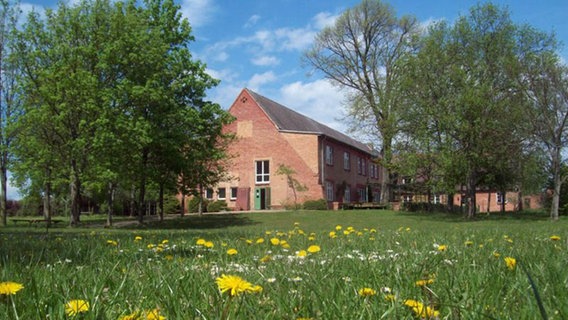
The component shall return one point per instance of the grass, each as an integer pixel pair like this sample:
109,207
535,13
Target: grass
161,266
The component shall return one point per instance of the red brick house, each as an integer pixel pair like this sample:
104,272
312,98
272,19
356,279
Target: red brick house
330,164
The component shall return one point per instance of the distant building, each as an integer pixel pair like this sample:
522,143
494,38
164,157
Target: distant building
330,164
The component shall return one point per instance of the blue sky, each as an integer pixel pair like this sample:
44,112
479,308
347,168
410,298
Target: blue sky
258,44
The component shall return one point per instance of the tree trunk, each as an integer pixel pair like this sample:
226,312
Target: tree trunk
386,155
110,201
47,199
200,206
182,209
489,201
75,194
3,195
161,202
520,200
132,211
471,199
142,188
555,197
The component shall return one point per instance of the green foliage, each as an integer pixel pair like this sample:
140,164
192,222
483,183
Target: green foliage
193,205
217,206
171,205
362,51
320,204
115,102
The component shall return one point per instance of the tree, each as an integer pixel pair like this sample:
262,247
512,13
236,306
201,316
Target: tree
9,99
546,88
465,103
205,155
112,96
293,183
361,52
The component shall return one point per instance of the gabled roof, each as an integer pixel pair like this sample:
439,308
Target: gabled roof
288,120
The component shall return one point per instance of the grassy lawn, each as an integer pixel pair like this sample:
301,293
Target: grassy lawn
310,265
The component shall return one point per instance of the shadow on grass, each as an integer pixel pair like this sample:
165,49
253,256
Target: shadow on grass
206,221
528,216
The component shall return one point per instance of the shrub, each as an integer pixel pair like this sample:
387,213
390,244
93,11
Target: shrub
171,205
193,205
217,206
320,204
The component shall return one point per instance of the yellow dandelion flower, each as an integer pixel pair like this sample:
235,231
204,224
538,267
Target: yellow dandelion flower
74,307
256,288
301,232
233,284
367,292
390,297
9,288
424,282
275,241
248,241
296,224
338,227
332,234
112,242
302,253
314,248
260,240
510,262
420,310
165,241
232,252
311,238
154,314
150,246
373,230
268,233
554,238
346,232
133,316
137,238
468,243
286,246
200,242
442,247
209,244
496,254
265,259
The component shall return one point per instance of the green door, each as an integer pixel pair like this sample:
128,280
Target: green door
261,198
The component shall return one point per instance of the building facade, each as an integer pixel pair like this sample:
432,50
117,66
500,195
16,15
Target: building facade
329,164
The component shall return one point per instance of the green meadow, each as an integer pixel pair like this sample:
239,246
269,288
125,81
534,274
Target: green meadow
289,265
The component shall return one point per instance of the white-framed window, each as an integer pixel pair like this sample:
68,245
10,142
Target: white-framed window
347,194
500,198
329,155
436,199
209,193
346,161
362,193
233,193
364,167
407,198
374,171
221,193
329,190
359,165
262,172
